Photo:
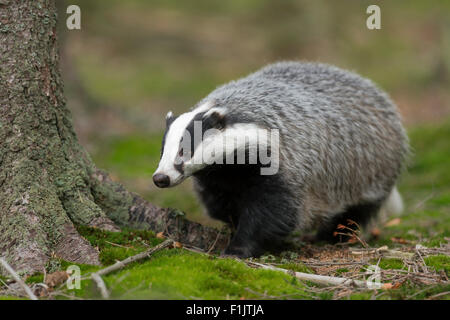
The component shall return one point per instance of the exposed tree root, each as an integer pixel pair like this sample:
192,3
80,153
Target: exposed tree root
44,225
129,209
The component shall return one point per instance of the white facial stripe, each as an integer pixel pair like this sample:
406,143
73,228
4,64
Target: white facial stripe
214,148
219,110
173,137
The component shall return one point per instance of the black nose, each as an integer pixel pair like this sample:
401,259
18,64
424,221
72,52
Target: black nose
161,180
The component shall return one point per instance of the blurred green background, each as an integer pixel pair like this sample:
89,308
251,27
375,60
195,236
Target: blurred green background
133,61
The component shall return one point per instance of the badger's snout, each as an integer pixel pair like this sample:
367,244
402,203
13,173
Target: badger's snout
161,180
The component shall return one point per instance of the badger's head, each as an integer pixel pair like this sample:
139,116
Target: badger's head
183,135
208,136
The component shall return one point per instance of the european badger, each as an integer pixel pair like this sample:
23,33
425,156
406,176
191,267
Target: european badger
341,150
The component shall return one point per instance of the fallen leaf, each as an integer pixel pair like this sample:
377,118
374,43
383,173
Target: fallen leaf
177,244
375,232
387,286
160,235
393,222
56,278
400,240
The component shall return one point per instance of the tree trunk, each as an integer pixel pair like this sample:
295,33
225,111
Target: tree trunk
48,183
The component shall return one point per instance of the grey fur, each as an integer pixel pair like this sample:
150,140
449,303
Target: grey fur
342,141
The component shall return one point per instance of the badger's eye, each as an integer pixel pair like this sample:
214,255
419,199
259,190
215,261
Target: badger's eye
180,153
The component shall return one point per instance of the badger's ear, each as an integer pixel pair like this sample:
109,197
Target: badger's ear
215,118
169,118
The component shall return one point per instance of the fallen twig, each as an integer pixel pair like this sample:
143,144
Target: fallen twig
325,280
424,265
101,285
335,263
118,245
386,253
96,276
439,295
18,279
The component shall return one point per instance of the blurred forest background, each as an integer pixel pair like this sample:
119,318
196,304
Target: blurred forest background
133,61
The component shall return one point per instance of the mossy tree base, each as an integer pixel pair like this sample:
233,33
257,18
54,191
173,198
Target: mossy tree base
48,183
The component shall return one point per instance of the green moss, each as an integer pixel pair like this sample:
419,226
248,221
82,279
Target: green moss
391,264
178,274
85,269
116,246
111,255
101,238
360,296
36,278
438,263
340,271
11,298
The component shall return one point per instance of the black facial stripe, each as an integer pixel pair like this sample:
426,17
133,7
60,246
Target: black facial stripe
214,120
190,130
179,168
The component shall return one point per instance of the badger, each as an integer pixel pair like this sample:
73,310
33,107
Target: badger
338,151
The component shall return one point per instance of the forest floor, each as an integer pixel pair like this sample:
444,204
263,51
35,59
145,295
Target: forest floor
415,266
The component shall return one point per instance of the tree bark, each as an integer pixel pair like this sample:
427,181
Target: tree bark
48,183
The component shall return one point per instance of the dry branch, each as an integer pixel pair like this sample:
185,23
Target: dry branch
96,277
325,280
385,252
344,263
101,285
18,279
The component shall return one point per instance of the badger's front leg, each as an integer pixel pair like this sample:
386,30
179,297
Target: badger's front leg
267,216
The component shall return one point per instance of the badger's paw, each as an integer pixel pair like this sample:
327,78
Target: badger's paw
242,252
233,252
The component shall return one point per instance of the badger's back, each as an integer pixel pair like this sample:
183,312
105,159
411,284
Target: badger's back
342,142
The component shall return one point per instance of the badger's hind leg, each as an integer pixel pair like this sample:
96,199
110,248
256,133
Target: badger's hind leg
360,214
